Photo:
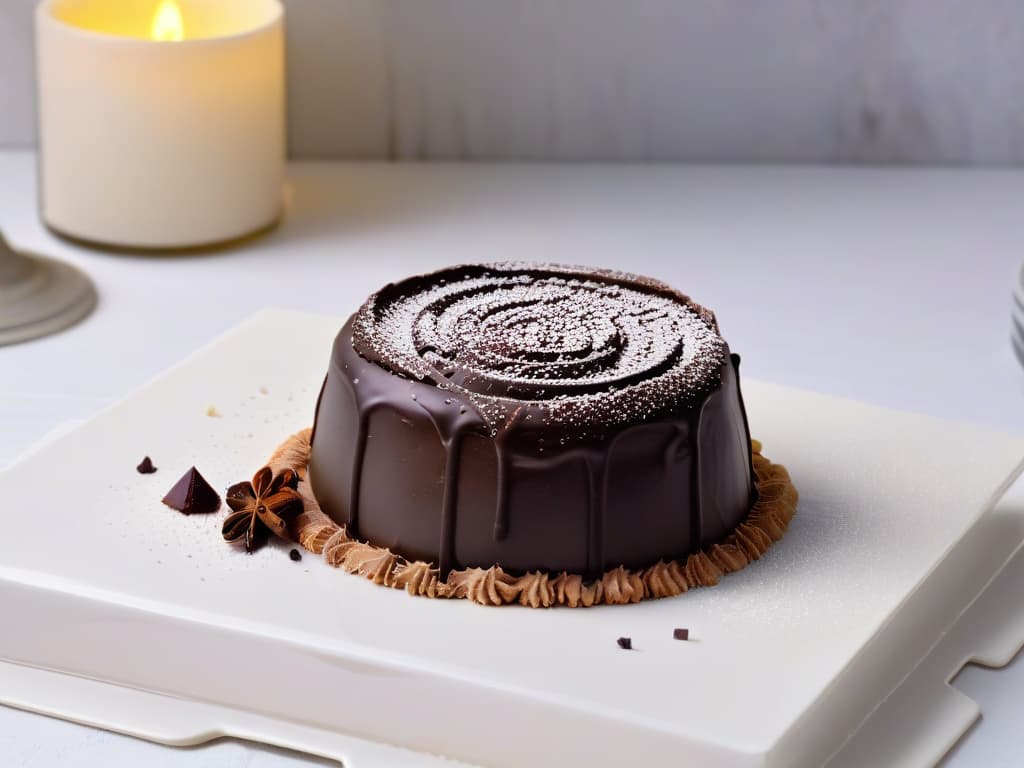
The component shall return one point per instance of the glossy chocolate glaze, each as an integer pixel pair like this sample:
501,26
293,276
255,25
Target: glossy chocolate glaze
459,424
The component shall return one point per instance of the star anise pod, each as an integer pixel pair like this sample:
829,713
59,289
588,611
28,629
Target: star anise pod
265,504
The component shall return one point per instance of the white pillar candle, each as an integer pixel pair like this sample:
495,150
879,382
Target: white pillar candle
161,122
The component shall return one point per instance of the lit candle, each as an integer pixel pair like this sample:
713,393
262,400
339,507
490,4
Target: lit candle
168,26
161,122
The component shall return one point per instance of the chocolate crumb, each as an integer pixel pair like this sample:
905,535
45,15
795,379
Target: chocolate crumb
625,643
192,495
681,634
146,466
295,555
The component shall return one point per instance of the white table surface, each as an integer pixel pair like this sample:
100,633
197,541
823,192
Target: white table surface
888,286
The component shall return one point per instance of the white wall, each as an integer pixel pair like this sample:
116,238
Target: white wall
902,81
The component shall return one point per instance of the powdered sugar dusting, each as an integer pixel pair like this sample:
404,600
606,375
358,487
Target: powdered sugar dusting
587,348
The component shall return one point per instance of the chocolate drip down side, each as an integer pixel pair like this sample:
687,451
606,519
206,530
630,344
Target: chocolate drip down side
423,458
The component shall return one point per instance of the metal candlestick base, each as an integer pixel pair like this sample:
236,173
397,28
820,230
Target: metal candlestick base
39,296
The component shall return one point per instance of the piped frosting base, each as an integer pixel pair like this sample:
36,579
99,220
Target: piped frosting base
748,541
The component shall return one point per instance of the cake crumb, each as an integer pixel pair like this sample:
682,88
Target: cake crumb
681,633
625,643
295,555
264,391
213,413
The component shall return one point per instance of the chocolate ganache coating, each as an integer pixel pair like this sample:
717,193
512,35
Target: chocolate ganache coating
537,417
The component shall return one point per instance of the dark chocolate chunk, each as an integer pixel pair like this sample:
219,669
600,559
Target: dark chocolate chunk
295,555
146,466
625,643
192,495
681,634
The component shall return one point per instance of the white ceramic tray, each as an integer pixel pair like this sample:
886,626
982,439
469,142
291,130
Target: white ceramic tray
122,613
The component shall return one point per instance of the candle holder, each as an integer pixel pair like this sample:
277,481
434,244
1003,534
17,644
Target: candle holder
161,122
39,296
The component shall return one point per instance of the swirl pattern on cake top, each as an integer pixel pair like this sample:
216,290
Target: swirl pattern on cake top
593,349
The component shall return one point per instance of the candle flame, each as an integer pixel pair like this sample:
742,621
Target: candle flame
167,22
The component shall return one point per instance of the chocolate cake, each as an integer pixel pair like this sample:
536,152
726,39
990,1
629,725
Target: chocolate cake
535,417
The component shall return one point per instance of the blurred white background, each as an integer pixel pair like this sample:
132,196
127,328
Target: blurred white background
861,81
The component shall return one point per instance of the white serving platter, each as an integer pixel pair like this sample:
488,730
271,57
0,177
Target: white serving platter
124,614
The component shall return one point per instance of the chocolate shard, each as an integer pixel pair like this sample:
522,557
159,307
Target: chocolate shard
625,643
192,495
681,633
295,555
146,466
